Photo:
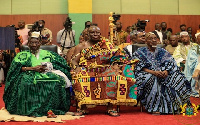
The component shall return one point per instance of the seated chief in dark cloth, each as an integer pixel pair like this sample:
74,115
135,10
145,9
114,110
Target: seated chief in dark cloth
162,88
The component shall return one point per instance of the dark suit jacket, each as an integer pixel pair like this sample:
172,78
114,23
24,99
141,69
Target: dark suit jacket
164,35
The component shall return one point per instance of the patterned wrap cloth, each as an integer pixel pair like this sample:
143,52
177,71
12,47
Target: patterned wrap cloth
98,83
31,93
164,95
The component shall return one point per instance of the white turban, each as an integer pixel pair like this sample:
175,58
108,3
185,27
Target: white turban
35,34
196,35
183,33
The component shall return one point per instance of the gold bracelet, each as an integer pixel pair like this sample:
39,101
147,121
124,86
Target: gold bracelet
25,69
75,56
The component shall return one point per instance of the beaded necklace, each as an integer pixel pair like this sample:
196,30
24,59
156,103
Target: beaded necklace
94,46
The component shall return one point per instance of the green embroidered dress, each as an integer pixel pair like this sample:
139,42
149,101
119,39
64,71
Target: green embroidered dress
32,93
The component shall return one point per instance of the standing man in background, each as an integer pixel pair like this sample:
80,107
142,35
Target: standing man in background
182,28
23,32
120,34
189,30
66,37
165,31
160,35
45,33
87,24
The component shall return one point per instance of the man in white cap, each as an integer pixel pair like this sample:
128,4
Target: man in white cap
193,59
39,78
180,53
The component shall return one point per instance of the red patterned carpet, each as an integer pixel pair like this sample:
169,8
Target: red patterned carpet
128,116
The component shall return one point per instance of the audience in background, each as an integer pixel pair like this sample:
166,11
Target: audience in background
120,34
66,36
164,30
23,32
191,63
198,29
160,35
170,30
189,30
140,37
166,33
173,44
133,37
45,32
128,30
88,24
181,51
182,28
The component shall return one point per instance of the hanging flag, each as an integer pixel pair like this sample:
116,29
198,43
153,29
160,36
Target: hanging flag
7,38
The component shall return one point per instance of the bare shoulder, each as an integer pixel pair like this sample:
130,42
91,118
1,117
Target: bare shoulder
82,45
71,50
79,48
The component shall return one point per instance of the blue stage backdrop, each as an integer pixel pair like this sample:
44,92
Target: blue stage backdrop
7,38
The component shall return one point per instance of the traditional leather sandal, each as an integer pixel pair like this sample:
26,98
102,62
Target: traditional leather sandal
155,113
80,113
112,113
50,114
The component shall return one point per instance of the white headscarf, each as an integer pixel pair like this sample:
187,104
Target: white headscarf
183,33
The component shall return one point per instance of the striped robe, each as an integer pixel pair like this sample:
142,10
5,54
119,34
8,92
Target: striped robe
191,63
163,95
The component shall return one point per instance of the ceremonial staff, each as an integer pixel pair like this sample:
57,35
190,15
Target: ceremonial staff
111,25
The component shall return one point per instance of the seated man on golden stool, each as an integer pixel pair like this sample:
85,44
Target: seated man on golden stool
101,76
